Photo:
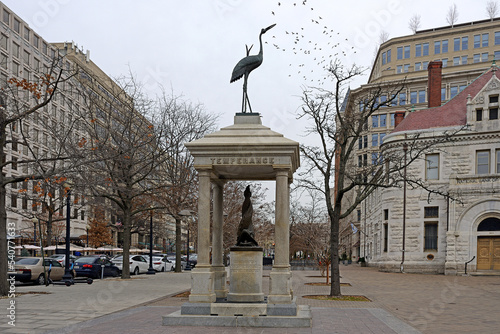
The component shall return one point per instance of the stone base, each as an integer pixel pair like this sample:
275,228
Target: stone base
245,275
202,285
303,318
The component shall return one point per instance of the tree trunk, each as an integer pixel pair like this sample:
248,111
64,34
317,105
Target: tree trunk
126,243
178,245
334,246
4,284
49,228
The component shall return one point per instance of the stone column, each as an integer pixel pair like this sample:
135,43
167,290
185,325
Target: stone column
220,275
202,277
280,277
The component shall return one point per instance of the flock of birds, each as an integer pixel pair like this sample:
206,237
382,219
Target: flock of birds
304,43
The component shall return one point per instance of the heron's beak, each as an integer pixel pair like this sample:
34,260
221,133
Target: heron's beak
265,30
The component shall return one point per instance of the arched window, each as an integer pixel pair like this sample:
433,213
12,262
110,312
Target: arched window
489,224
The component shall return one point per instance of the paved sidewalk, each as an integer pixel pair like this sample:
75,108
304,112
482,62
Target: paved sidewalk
429,303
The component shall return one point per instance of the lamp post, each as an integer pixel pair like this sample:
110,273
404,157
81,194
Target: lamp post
151,270
67,272
187,213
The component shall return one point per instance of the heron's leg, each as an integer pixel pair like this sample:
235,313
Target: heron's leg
248,101
243,100
245,96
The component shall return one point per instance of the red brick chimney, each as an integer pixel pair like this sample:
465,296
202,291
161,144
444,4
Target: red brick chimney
398,117
434,84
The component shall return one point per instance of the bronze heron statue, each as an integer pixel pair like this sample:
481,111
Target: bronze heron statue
247,65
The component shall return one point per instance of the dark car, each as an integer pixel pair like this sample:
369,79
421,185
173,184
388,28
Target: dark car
94,267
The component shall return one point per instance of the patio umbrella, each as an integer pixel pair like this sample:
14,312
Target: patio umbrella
27,247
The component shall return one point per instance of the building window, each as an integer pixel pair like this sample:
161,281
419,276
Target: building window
479,115
445,62
477,41
456,44
13,200
386,236
407,52
443,93
465,43
360,161
399,53
406,68
484,40
418,50
497,37
497,154
389,55
432,166
393,119
14,163
384,58
399,68
382,135
431,212
464,60
375,159
444,48
386,214
15,50
425,64
36,41
437,47
418,66
453,91
484,56
421,96
425,49
493,113
365,141
45,48
375,139
483,162
456,61
383,120
493,98
360,143
413,97
496,55
375,121
4,42
27,34
430,236
402,99
6,17
476,58
17,26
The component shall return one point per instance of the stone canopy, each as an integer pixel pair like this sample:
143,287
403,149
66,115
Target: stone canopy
246,150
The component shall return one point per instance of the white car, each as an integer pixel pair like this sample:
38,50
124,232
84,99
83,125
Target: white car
172,259
138,264
160,263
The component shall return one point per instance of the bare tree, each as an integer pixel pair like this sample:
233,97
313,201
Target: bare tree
338,128
22,99
492,9
180,122
414,23
383,36
452,15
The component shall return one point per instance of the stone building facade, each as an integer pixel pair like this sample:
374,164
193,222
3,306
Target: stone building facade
466,51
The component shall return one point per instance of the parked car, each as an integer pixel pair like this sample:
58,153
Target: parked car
94,267
193,259
160,263
61,258
30,269
172,259
138,264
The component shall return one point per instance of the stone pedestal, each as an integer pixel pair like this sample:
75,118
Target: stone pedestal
246,275
202,285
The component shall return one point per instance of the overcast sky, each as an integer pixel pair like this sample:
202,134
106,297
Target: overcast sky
193,46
